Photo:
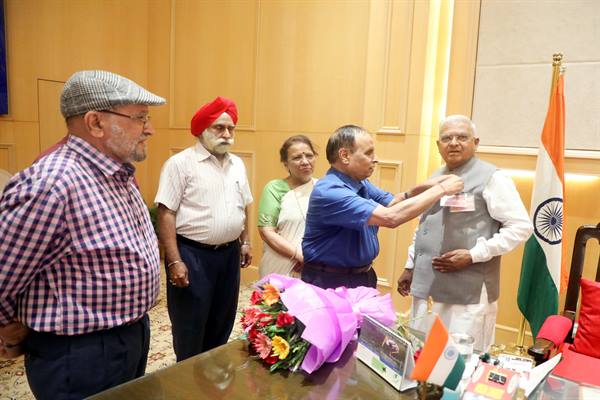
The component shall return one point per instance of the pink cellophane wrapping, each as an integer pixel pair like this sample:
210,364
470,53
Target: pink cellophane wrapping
331,317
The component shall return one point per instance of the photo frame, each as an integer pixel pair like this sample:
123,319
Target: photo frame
387,353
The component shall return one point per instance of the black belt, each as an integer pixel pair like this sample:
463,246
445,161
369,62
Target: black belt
205,246
338,270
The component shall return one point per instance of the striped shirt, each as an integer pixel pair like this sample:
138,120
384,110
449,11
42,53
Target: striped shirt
209,198
78,253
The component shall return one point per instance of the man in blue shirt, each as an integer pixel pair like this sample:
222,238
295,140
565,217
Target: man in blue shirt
345,212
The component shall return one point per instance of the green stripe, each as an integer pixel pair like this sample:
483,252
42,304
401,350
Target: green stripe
456,374
538,296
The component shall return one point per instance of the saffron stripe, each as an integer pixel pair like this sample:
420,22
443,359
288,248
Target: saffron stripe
555,123
432,351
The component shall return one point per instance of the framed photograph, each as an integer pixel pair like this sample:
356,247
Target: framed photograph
387,353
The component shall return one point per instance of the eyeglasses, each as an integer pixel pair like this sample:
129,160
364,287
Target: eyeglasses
459,138
219,129
145,119
300,158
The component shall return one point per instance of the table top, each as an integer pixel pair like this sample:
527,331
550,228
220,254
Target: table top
557,388
228,372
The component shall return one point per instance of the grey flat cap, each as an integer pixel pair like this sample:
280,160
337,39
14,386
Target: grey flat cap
101,90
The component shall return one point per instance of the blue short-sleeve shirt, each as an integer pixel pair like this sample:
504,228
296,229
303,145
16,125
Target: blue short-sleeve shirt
337,233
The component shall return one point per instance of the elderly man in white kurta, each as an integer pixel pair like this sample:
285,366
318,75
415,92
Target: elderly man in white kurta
455,257
203,199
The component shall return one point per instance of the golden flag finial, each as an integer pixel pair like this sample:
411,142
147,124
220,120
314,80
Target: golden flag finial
557,59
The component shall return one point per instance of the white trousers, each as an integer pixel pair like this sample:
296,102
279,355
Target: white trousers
478,320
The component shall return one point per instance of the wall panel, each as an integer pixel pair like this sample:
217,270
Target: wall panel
397,71
306,83
52,124
7,157
213,50
516,43
388,176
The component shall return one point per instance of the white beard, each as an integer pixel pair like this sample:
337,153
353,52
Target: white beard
215,144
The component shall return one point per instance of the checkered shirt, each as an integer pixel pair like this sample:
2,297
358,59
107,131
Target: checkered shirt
77,249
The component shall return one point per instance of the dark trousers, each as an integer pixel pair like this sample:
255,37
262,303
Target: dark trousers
202,314
327,280
73,367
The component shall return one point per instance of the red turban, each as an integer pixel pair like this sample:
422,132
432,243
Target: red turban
208,113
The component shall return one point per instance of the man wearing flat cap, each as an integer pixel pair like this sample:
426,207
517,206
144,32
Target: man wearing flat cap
203,199
79,263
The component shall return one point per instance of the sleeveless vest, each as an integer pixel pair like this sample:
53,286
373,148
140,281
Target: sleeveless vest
441,231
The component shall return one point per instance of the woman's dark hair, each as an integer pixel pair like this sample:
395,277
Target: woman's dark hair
283,151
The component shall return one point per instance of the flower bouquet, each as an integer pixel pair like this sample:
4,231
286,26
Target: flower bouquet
292,324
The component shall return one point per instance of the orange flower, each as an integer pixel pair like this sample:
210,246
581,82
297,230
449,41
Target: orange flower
270,294
280,347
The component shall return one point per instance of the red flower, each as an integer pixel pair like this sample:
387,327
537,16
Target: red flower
256,297
417,354
265,319
252,334
271,360
250,317
284,319
262,345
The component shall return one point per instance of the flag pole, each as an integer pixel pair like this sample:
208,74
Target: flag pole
519,347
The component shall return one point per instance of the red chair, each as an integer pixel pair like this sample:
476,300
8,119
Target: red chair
581,353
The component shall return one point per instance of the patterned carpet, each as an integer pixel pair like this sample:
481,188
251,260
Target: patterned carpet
13,382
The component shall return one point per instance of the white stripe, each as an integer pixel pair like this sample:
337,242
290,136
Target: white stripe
444,366
546,185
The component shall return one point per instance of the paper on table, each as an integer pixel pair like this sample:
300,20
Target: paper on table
589,393
539,373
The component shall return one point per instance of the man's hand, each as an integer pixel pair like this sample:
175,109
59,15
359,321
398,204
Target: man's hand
429,183
452,184
404,282
11,336
452,261
178,275
13,333
13,351
245,255
298,267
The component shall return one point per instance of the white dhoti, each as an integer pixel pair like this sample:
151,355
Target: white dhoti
477,320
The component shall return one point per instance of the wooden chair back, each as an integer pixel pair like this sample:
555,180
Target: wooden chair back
584,233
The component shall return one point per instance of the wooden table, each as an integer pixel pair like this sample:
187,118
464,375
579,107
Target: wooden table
227,372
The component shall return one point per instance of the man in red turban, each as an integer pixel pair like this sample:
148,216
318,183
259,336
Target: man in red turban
203,198
209,112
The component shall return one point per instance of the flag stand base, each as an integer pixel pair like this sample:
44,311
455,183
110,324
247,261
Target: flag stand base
516,350
512,349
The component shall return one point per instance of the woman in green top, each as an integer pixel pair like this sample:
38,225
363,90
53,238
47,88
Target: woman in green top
283,206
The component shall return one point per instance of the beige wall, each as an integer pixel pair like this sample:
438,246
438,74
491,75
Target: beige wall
293,67
516,43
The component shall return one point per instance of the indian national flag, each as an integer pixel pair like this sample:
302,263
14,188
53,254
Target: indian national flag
439,362
543,272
